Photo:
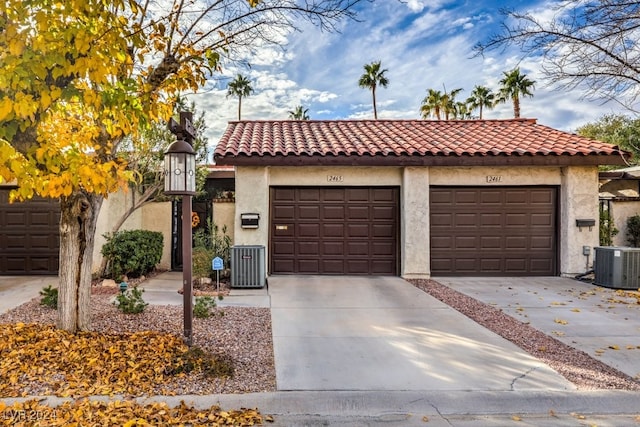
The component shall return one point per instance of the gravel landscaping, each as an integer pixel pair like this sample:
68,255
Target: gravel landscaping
240,334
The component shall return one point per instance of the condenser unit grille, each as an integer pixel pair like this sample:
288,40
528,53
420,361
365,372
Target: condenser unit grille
247,267
617,267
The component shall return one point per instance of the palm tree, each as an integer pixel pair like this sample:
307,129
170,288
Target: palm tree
240,87
372,78
299,113
462,111
513,86
449,102
481,96
431,104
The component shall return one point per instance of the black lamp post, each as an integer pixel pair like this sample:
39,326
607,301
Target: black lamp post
180,179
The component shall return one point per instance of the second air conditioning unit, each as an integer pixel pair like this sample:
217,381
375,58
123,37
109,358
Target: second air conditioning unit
617,267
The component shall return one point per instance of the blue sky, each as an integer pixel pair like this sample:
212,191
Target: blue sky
422,43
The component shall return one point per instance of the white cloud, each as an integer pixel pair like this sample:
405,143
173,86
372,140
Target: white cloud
320,70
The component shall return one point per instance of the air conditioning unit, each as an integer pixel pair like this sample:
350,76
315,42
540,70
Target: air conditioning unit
617,267
247,267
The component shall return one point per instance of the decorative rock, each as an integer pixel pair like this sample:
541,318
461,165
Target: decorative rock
109,283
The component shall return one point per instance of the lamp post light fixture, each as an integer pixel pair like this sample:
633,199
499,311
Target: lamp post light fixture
180,180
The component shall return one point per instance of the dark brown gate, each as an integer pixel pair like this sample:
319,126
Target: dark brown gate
494,231
29,236
334,230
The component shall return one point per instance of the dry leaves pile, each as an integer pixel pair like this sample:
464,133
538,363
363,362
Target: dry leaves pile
122,413
38,359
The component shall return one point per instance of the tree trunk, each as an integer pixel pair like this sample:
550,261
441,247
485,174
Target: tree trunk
516,107
375,110
78,218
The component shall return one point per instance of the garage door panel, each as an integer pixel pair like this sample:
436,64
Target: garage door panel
357,228
334,195
441,220
333,212
383,231
284,195
383,212
333,230
516,220
308,231
508,231
308,266
465,242
488,198
30,236
284,248
490,265
384,249
310,213
283,212
490,219
517,197
357,212
357,266
283,264
358,231
463,197
284,230
490,242
331,266
308,195
541,220
309,248
541,243
357,248
466,220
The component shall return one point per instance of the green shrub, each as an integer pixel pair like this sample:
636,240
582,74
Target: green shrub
203,306
633,231
49,297
607,227
130,301
210,242
132,252
201,265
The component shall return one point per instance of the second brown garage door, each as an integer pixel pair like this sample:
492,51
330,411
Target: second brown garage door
493,231
334,230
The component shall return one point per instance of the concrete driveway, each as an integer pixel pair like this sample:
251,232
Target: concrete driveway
602,322
16,290
382,333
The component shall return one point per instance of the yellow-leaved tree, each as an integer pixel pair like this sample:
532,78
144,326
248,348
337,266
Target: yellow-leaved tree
79,76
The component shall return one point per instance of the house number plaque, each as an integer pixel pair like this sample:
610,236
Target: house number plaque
335,178
494,178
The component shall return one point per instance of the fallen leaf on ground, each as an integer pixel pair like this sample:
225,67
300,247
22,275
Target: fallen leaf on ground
92,363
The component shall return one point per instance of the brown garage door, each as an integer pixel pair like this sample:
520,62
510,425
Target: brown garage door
334,230
490,231
30,237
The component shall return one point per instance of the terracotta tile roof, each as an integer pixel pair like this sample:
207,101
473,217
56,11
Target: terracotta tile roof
403,142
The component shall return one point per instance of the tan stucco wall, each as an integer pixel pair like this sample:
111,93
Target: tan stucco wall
621,211
495,176
224,214
578,200
578,194
414,223
152,216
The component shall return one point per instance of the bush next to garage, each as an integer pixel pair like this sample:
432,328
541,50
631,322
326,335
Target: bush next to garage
132,252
